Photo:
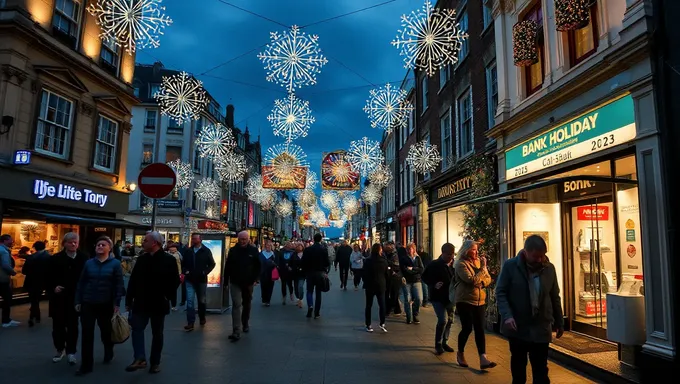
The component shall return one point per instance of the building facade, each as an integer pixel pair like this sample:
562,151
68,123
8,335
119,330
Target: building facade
385,223
65,102
405,176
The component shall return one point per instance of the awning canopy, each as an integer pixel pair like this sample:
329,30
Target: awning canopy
56,218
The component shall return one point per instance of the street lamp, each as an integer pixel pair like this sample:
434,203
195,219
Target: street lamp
131,187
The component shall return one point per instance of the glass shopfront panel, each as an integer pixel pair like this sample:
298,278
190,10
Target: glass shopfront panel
447,227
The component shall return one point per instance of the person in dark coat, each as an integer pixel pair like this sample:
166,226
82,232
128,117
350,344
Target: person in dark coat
439,275
297,273
35,269
316,265
342,256
153,284
375,273
427,259
268,263
242,273
412,291
395,282
64,270
197,263
286,271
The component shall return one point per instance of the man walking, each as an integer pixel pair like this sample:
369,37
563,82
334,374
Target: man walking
343,257
529,302
395,281
315,265
6,273
197,263
412,292
439,275
242,273
35,269
152,285
426,259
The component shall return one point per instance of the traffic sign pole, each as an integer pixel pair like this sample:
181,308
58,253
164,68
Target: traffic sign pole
153,214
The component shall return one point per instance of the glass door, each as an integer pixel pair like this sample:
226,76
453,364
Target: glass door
594,263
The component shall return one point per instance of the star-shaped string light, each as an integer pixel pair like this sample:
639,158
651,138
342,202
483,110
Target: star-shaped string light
423,157
380,176
291,118
207,189
293,59
350,205
182,97
256,193
312,180
284,207
430,38
329,199
371,194
232,167
215,141
306,199
183,173
211,212
364,155
283,161
388,108
131,24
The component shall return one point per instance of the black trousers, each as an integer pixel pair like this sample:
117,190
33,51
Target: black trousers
34,297
344,274
392,295
65,328
91,314
472,317
267,289
357,277
286,281
6,294
314,284
538,355
380,297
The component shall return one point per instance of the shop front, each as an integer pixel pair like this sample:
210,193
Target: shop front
42,208
447,198
407,225
170,227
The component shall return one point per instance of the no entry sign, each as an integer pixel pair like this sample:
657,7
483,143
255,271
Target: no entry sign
156,180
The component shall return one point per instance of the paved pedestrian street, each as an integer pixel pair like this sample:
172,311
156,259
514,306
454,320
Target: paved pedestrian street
282,347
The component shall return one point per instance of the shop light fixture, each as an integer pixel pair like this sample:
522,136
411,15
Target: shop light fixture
29,223
131,187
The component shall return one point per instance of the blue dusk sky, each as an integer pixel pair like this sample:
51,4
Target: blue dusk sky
207,33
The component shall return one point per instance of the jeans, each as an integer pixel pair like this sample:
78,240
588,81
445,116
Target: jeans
286,282
300,288
6,294
138,322
444,314
413,291
34,297
472,316
184,293
195,291
426,294
344,274
241,302
314,282
65,326
357,276
380,297
538,355
101,314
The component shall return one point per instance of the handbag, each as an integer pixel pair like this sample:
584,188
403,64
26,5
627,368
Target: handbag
326,284
120,329
275,274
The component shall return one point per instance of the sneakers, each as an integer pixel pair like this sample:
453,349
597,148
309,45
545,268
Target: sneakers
246,329
309,312
369,328
136,365
72,359
447,347
235,337
189,327
382,328
59,356
11,323
415,320
316,316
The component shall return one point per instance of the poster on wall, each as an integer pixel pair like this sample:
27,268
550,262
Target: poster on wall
543,235
337,173
215,246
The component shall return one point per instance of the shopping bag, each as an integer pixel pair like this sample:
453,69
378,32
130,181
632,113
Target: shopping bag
120,329
275,274
326,284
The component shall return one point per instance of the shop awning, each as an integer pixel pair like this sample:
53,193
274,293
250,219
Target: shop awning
56,218
507,196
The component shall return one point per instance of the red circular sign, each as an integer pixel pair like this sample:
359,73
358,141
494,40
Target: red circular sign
156,180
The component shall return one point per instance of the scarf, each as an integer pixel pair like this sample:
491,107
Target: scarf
268,254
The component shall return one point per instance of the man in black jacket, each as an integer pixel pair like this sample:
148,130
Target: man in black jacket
35,269
197,263
242,273
439,275
315,265
153,283
427,259
412,292
342,255
395,281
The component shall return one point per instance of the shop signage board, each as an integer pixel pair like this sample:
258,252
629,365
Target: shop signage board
591,213
22,157
451,190
156,180
44,189
602,128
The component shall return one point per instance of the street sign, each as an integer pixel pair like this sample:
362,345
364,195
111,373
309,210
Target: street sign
156,180
170,203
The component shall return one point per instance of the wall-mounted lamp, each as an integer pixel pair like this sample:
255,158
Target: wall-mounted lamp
131,187
7,123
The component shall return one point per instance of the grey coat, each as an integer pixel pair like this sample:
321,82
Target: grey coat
513,299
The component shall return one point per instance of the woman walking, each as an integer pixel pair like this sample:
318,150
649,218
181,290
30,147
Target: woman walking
286,272
298,274
375,273
268,265
472,277
357,260
98,295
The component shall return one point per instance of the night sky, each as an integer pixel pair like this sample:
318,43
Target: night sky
207,33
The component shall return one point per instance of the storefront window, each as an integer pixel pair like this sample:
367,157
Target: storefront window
630,236
447,227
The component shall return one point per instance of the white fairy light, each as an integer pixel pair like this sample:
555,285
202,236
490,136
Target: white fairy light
430,38
131,24
207,189
329,199
284,160
182,97
215,141
148,207
268,202
292,59
380,176
350,205
318,216
256,193
306,199
291,118
371,194
183,173
284,207
338,223
211,212
423,157
312,180
387,108
364,155
231,168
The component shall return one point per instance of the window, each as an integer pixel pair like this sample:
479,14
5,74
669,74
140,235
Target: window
583,42
444,76
143,201
53,134
147,154
465,130
487,13
492,92
154,89
465,46
426,175
105,146
175,128
172,153
198,160
425,92
150,125
66,20
534,74
402,183
412,184
109,56
412,121
447,146
136,91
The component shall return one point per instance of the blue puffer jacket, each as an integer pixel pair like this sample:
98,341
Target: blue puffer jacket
100,282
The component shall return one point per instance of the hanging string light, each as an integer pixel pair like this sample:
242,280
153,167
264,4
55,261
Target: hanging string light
364,155
524,38
183,173
371,194
380,176
181,97
571,15
291,118
207,189
231,168
329,199
388,108
284,207
215,141
423,157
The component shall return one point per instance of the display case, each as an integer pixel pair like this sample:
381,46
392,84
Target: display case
217,292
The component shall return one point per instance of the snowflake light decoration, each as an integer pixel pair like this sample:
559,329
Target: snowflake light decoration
284,207
215,141
430,38
211,212
231,168
338,223
291,118
256,192
183,172
268,202
388,107
284,160
423,157
293,59
306,199
182,97
131,24
148,207
364,155
318,216
380,176
329,199
371,194
350,205
312,180
207,190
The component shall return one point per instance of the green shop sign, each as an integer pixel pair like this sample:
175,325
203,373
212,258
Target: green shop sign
607,126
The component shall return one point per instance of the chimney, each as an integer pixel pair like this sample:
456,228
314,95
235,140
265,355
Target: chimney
157,66
230,116
247,136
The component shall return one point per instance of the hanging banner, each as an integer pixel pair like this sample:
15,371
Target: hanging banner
337,173
273,177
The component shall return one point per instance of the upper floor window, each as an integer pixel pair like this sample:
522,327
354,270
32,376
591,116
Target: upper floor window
492,92
154,89
147,154
465,129
487,13
150,123
426,175
535,73
424,91
447,146
583,42
465,46
109,56
174,127
444,76
137,91
66,20
55,123
198,160
172,153
411,121
105,147
402,184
